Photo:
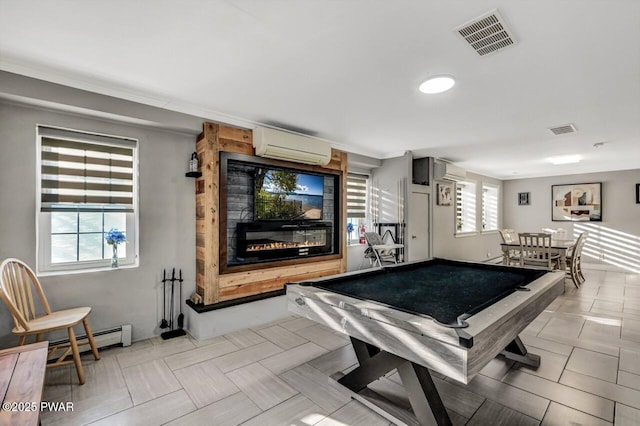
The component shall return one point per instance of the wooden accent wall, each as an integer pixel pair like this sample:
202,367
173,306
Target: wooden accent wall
210,283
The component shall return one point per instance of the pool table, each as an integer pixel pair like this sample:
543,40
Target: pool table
449,316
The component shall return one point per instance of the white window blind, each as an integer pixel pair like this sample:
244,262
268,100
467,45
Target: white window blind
465,207
489,208
356,196
76,174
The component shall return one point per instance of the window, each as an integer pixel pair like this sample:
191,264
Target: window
356,205
489,207
87,185
465,207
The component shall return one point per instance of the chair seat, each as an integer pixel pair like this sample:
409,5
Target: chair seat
55,321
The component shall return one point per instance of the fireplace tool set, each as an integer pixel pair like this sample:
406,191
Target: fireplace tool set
173,331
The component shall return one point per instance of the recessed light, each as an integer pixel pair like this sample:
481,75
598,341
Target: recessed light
438,84
565,159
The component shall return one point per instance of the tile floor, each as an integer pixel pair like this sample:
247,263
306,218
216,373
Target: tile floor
276,374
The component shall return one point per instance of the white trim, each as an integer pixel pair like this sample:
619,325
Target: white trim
43,219
466,234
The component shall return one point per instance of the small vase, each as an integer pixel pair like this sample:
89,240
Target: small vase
114,258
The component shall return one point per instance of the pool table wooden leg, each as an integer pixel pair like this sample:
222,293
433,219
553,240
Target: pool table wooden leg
423,395
517,351
375,363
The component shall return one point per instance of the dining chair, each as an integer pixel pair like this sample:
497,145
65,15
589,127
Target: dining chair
20,290
535,250
574,260
510,236
378,252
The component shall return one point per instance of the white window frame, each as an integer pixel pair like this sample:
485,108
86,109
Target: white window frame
43,219
355,236
473,203
485,188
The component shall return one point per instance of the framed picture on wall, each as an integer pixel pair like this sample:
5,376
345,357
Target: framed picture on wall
523,198
581,202
637,193
445,192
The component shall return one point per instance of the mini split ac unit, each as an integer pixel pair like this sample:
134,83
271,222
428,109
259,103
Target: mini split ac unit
446,171
290,147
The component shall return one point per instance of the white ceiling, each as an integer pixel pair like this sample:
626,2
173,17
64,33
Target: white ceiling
348,71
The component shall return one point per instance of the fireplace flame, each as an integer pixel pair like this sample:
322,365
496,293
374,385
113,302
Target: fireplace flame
277,245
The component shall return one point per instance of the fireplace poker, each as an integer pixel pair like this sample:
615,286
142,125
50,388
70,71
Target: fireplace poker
163,322
181,316
173,280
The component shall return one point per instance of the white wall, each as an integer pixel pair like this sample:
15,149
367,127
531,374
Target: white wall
477,246
166,212
620,224
387,181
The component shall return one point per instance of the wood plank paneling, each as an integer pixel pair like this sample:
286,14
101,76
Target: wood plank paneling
228,293
289,272
211,284
236,134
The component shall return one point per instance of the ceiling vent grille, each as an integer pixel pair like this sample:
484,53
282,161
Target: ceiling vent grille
487,33
563,130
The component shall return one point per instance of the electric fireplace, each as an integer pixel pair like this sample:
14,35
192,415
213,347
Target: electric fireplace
276,240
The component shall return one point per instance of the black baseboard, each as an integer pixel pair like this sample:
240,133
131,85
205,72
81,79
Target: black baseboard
234,302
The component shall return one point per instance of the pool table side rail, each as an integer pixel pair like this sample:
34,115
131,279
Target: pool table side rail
446,358
380,312
493,329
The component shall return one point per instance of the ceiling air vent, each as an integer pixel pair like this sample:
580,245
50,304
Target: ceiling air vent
563,130
487,33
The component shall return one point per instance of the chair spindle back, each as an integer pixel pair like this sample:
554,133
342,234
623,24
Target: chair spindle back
536,247
509,236
17,285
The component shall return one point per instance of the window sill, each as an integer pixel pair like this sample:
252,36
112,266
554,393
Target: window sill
82,271
490,231
466,234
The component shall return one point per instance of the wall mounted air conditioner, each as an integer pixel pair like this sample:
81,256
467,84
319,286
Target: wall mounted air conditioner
447,171
290,147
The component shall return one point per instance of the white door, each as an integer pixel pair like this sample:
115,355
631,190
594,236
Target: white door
418,226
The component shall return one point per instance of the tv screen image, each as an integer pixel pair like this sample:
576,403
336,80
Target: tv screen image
282,194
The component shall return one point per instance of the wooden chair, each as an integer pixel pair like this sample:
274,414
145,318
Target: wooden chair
574,261
535,250
18,283
511,236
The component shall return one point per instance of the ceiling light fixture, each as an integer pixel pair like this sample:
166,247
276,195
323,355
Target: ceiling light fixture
565,159
438,84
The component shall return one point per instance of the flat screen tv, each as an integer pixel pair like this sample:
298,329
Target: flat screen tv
284,194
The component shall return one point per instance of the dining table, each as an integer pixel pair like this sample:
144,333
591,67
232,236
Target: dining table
22,370
558,246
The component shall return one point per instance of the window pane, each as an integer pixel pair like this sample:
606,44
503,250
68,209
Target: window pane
62,222
115,220
90,222
64,248
90,246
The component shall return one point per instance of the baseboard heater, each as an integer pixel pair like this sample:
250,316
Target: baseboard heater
117,336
